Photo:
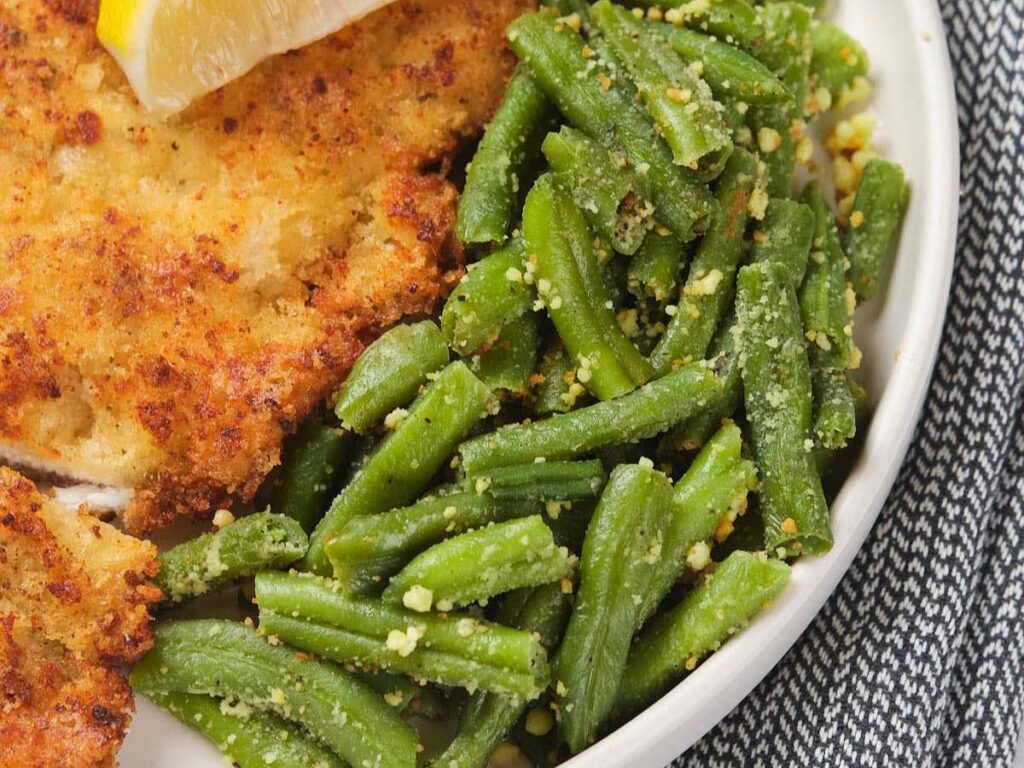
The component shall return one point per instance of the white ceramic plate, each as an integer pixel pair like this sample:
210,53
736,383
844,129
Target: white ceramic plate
899,335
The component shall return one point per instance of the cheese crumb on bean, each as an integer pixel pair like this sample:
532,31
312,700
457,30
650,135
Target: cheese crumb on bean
404,643
418,598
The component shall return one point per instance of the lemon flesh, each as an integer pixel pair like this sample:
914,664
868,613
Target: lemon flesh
174,51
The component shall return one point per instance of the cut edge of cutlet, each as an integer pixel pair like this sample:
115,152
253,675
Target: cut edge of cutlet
74,609
69,489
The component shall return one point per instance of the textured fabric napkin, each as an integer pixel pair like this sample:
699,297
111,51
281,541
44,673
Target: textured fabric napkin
918,658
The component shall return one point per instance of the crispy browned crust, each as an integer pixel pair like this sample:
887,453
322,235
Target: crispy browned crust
175,298
74,596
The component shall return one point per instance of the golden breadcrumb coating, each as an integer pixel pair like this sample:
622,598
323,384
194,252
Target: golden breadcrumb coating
175,298
74,597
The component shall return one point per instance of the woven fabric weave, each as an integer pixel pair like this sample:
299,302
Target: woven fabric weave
918,658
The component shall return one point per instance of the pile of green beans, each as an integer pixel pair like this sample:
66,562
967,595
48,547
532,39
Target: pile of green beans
536,512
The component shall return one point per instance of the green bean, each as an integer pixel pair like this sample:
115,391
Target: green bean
649,410
404,694
777,394
557,376
485,722
679,102
408,458
488,717
316,615
369,548
877,211
838,62
554,54
248,739
553,226
697,430
240,549
311,472
787,52
655,267
621,550
599,285
840,405
493,293
509,362
389,373
714,488
561,287
785,236
612,195
477,565
707,617
732,74
547,481
224,658
711,493
835,409
510,142
709,289
734,21
825,306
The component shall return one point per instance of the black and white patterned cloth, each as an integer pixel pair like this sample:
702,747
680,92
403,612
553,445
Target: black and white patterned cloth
918,658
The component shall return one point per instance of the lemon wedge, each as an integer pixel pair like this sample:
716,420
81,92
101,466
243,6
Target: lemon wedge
176,50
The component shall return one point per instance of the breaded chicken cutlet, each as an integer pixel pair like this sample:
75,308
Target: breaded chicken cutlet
74,594
176,297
